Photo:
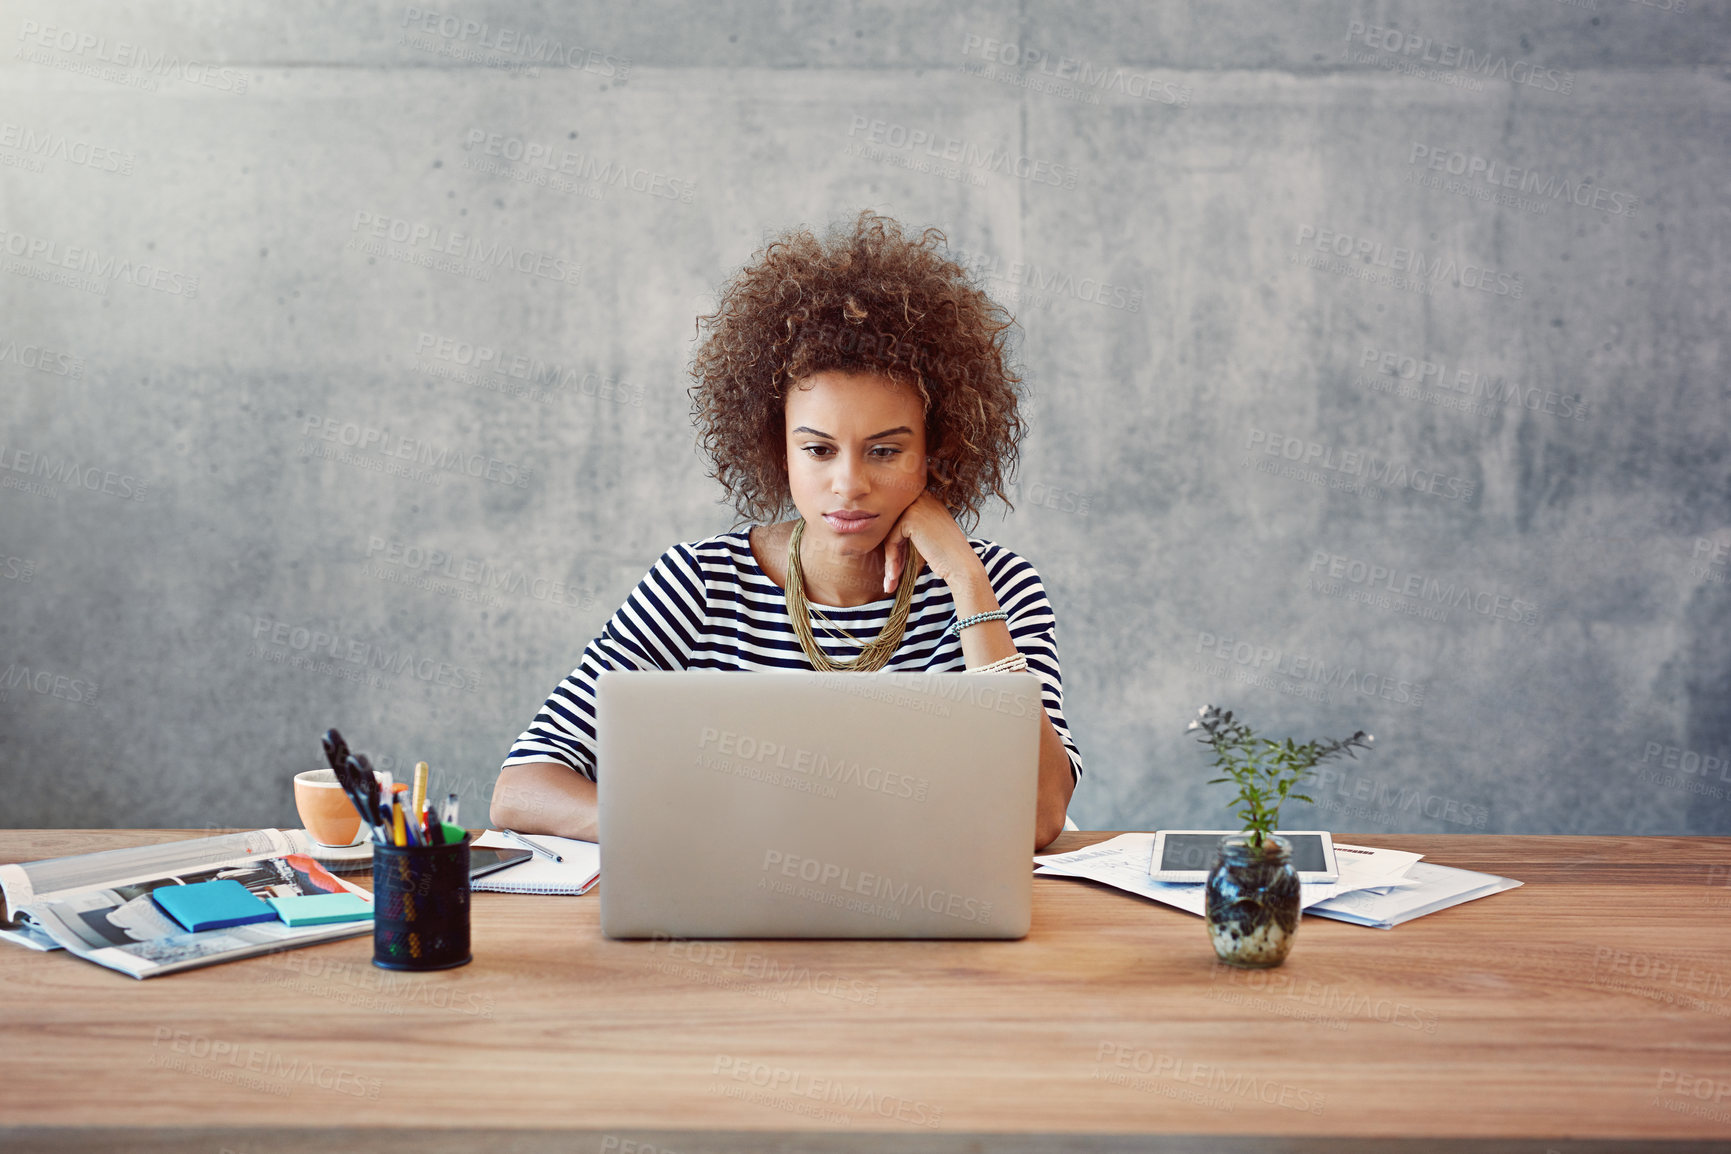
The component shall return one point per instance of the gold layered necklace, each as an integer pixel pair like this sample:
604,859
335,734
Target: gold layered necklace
873,655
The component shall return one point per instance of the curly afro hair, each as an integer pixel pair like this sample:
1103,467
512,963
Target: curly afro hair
864,300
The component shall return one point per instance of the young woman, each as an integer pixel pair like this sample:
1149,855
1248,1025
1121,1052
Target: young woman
863,381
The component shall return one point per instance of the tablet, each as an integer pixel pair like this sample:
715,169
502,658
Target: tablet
1186,855
484,860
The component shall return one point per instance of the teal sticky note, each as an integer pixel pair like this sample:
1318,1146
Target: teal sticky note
212,905
322,909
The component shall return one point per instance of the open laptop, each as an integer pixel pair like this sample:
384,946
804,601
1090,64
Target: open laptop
817,805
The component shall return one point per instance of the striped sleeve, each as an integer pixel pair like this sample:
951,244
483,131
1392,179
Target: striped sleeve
656,628
1034,629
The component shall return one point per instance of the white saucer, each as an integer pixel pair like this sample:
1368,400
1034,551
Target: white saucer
340,859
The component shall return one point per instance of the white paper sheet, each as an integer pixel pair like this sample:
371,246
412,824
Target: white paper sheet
1433,888
1380,888
1122,862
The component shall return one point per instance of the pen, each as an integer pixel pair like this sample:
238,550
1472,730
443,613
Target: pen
371,782
336,749
359,783
534,845
343,765
370,787
448,811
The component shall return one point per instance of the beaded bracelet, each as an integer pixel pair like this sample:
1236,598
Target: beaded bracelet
1014,663
975,619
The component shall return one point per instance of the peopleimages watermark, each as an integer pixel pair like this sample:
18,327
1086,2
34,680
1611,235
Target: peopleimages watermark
480,42
1072,78
1378,800
1412,52
1249,676
17,568
1686,770
613,1144
1467,389
446,250
757,966
385,444
1502,180
48,470
955,150
363,986
36,145
1702,1095
40,358
1709,559
870,689
497,369
932,698
740,749
1223,1089
1045,495
1663,980
560,168
1312,456
1035,283
768,775
1396,266
829,883
476,578
276,640
88,269
46,683
1309,1015
796,1087
1719,879
252,1067
92,54
1326,998
1329,570
1342,676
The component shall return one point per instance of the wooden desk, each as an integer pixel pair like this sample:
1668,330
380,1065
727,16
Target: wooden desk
1592,1003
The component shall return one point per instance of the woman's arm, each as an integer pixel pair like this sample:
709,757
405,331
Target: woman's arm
946,550
990,641
545,797
547,784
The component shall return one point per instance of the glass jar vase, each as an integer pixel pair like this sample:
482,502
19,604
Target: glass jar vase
1253,902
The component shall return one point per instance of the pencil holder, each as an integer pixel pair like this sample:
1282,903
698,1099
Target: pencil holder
421,906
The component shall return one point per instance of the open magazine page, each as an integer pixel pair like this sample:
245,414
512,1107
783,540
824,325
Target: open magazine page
25,934
22,883
121,926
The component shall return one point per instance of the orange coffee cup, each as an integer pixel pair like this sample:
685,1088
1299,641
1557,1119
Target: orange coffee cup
326,811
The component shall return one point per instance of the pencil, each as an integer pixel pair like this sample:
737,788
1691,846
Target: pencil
419,797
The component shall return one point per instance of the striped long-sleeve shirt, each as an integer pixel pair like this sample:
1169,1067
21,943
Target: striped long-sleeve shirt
709,605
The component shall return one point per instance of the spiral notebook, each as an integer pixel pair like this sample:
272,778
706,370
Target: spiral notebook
577,874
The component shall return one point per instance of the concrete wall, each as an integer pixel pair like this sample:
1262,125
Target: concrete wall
1251,481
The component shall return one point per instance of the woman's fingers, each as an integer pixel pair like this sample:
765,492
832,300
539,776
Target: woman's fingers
893,561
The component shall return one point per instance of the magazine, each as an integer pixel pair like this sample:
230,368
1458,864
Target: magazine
99,905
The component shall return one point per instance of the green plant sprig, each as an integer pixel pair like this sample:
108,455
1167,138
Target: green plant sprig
1266,770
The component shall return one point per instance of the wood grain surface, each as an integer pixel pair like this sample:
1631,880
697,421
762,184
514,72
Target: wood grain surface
1594,1002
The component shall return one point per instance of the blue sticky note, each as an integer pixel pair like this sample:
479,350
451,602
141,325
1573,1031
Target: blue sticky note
212,905
322,909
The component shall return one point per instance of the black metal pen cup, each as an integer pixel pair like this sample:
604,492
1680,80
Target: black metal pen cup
421,906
